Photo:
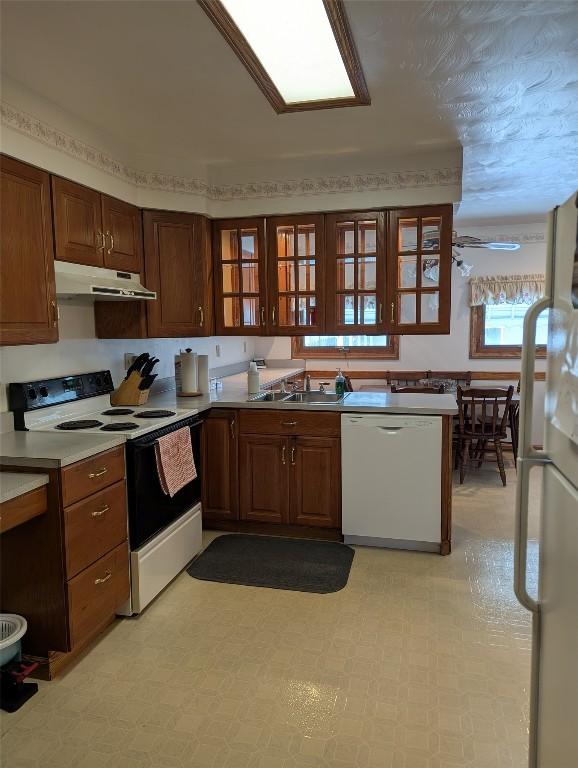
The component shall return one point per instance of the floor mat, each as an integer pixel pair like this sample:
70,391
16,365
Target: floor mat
301,565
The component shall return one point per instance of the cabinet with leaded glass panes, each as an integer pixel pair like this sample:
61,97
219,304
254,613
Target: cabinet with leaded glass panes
419,273
240,282
295,266
356,272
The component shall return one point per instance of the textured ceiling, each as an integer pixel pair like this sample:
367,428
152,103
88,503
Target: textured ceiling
156,77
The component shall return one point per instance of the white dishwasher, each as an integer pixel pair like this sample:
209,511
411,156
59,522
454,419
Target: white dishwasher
391,480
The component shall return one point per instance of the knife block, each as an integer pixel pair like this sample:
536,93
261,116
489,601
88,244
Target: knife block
129,393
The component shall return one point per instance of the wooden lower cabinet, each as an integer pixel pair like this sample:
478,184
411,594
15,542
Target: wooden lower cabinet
288,474
96,593
315,481
263,468
67,570
219,467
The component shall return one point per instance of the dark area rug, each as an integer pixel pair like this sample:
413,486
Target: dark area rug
301,565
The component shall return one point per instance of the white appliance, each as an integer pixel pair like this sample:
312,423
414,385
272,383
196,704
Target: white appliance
554,689
165,533
156,563
79,280
391,480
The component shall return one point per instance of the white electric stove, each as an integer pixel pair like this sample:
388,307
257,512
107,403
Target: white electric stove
165,533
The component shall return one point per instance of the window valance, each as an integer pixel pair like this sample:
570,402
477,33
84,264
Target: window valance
506,289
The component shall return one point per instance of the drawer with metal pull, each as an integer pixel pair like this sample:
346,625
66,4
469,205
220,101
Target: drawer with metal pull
95,594
289,422
94,526
86,477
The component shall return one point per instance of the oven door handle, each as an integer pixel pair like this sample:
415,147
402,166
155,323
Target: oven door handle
147,442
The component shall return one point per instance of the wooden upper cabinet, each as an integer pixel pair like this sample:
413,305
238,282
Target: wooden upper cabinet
122,227
355,265
177,267
27,292
295,268
419,300
240,277
78,230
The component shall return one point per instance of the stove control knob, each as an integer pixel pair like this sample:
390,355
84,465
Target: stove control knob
43,392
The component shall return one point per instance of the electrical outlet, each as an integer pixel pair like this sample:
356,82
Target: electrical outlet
218,350
129,359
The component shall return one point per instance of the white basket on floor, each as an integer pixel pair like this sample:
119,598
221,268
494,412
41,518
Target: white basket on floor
12,630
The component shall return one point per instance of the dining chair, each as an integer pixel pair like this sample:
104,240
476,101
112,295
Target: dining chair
482,422
419,390
461,378
404,378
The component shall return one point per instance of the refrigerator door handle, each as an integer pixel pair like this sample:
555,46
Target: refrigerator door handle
525,449
521,535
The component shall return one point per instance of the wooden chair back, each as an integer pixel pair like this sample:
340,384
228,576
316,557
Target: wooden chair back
462,378
420,390
404,378
483,412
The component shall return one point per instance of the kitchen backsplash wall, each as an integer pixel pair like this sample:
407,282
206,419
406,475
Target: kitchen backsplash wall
78,350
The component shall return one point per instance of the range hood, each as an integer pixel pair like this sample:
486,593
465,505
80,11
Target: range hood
97,283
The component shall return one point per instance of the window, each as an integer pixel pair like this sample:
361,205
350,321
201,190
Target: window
497,331
301,53
353,346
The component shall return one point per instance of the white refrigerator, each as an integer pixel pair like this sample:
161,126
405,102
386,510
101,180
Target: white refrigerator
554,689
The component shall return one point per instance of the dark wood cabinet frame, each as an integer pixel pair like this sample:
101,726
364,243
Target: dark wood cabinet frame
479,349
216,11
390,352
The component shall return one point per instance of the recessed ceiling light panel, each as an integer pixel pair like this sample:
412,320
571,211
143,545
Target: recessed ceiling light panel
300,52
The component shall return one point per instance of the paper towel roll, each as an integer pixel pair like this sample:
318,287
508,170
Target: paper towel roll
203,374
189,380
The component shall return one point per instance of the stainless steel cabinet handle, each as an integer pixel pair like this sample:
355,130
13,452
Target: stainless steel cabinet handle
292,455
102,245
104,578
288,423
273,315
110,250
284,455
201,317
98,473
100,512
380,312
54,314
232,428
262,315
393,312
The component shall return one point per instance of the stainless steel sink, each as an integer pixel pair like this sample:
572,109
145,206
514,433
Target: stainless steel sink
269,397
315,397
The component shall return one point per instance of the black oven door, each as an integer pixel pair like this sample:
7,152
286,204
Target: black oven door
149,509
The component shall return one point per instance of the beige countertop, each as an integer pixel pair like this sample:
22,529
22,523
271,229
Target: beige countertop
47,449
13,484
234,395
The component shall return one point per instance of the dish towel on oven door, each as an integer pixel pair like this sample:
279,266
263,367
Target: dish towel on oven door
175,461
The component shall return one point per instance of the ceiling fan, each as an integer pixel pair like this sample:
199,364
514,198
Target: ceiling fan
431,266
467,241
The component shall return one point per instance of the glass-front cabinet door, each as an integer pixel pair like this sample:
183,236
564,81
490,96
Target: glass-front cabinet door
356,273
420,247
240,283
295,261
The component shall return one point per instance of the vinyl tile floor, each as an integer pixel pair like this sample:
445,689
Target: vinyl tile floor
421,661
